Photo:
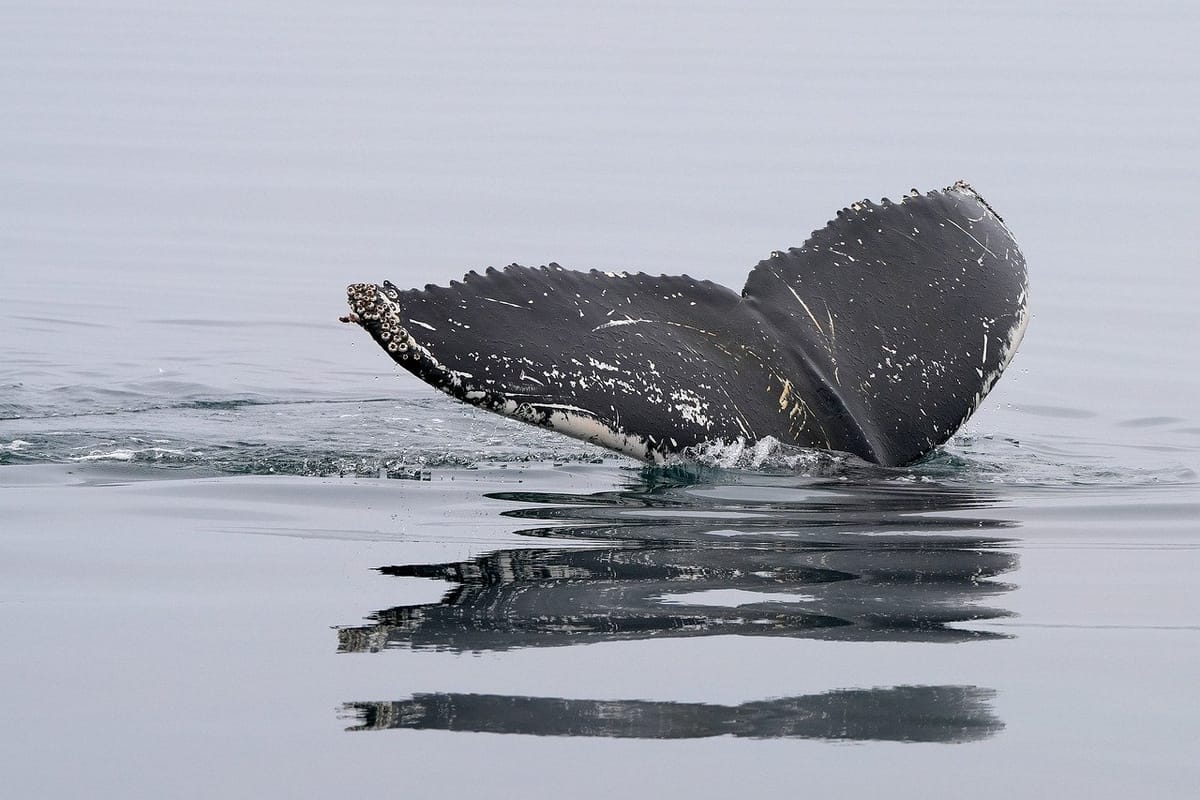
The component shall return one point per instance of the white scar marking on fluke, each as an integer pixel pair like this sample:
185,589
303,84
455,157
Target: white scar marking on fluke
618,322
972,238
806,309
564,407
506,303
527,377
424,325
692,406
803,304
832,345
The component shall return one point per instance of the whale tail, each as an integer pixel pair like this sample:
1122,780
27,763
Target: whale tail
879,336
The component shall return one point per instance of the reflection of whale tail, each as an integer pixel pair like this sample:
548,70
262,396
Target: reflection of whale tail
879,336
561,597
901,713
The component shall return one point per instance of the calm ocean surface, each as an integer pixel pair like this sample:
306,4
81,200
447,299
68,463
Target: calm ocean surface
241,555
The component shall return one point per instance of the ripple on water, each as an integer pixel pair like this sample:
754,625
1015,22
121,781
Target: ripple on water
178,426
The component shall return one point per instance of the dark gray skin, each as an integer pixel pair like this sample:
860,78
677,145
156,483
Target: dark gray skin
879,337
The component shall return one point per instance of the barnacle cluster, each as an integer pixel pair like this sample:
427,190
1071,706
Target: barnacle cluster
375,309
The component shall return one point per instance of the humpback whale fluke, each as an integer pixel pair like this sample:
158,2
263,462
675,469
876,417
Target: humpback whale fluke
879,336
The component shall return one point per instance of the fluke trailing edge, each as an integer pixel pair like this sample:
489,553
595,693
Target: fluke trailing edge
879,336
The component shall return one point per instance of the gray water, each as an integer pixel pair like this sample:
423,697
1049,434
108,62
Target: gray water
242,556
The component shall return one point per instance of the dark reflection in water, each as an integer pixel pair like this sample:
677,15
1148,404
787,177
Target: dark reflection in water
745,554
866,563
898,714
